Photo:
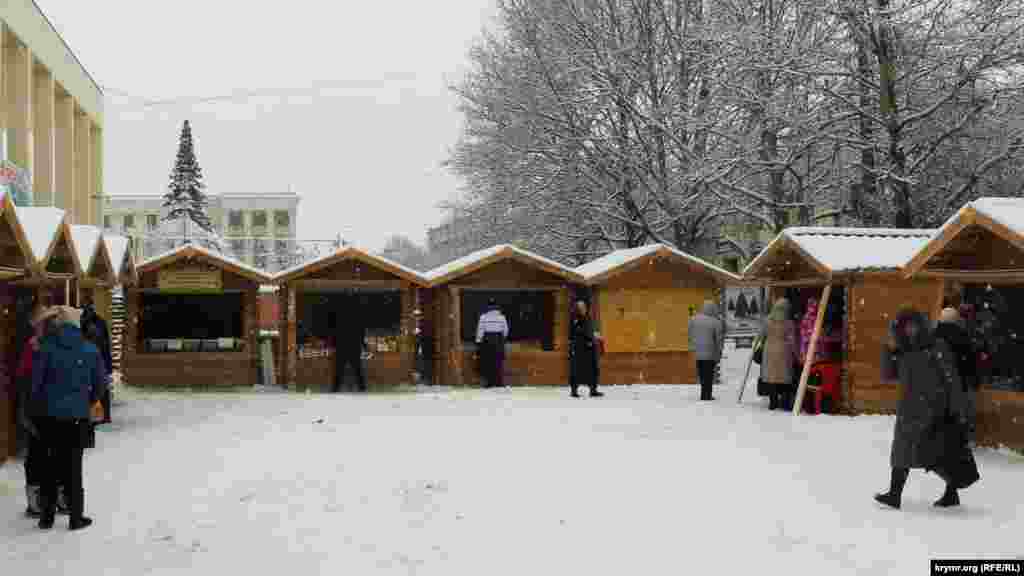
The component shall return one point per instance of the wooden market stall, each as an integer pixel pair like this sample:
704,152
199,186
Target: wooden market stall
191,321
642,300
97,274
858,272
15,263
978,256
316,297
534,294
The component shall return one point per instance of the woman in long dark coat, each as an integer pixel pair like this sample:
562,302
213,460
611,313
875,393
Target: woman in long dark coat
584,368
926,369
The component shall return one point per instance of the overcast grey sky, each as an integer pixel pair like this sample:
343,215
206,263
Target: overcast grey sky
363,150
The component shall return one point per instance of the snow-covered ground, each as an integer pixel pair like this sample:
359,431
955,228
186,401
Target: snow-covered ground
527,481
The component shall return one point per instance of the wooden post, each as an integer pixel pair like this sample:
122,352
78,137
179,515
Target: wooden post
746,375
455,346
811,350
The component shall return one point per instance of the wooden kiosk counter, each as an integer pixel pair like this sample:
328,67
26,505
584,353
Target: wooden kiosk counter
858,272
642,300
978,255
191,321
318,295
533,293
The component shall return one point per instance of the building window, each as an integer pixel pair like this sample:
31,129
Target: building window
282,219
107,224
235,219
259,219
152,221
732,264
238,249
129,221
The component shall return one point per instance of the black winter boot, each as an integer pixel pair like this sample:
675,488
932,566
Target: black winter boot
950,498
595,393
893,497
32,495
575,393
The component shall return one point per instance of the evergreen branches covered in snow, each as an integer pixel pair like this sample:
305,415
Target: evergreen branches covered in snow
186,199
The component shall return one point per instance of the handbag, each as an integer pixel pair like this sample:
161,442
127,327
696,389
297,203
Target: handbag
96,413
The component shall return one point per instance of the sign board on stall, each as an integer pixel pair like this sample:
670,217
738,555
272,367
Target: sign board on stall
191,280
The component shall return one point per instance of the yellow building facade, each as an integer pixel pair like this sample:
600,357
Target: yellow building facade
51,114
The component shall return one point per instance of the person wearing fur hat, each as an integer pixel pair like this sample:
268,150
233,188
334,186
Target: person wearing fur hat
932,400
67,377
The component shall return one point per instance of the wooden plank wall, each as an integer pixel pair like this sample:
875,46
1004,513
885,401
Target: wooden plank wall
8,364
640,366
872,302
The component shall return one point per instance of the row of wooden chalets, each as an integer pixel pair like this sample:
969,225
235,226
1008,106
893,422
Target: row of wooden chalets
191,313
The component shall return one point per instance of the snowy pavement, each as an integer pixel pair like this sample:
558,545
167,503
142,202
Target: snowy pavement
526,481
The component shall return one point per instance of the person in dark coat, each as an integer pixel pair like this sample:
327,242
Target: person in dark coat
66,380
926,368
95,327
706,337
491,334
585,368
34,456
349,345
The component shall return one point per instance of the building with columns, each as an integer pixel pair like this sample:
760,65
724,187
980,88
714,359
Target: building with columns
51,114
258,229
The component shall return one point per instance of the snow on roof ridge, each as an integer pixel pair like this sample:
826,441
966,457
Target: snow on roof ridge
85,240
623,256
41,224
484,253
117,247
858,231
343,250
206,252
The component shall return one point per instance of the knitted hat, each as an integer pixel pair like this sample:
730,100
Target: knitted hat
69,315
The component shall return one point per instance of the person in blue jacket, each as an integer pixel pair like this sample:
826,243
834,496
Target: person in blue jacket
68,378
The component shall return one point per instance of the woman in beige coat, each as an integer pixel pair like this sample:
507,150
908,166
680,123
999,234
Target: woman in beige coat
781,347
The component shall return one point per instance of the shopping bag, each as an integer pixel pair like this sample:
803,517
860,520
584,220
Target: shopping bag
96,412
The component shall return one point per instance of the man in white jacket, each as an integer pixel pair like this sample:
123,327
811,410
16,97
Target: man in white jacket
491,332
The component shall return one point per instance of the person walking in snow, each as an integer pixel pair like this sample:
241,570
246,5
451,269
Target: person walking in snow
67,379
779,353
491,333
584,357
706,334
926,369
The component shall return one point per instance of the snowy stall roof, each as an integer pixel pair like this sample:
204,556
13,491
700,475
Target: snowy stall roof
43,226
619,261
87,242
120,256
838,250
1003,217
350,253
481,258
10,216
192,250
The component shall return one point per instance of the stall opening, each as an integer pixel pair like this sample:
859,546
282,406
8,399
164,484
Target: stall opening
380,313
191,322
531,316
998,333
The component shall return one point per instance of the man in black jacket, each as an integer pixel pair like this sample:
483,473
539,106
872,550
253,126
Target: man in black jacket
349,343
92,323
